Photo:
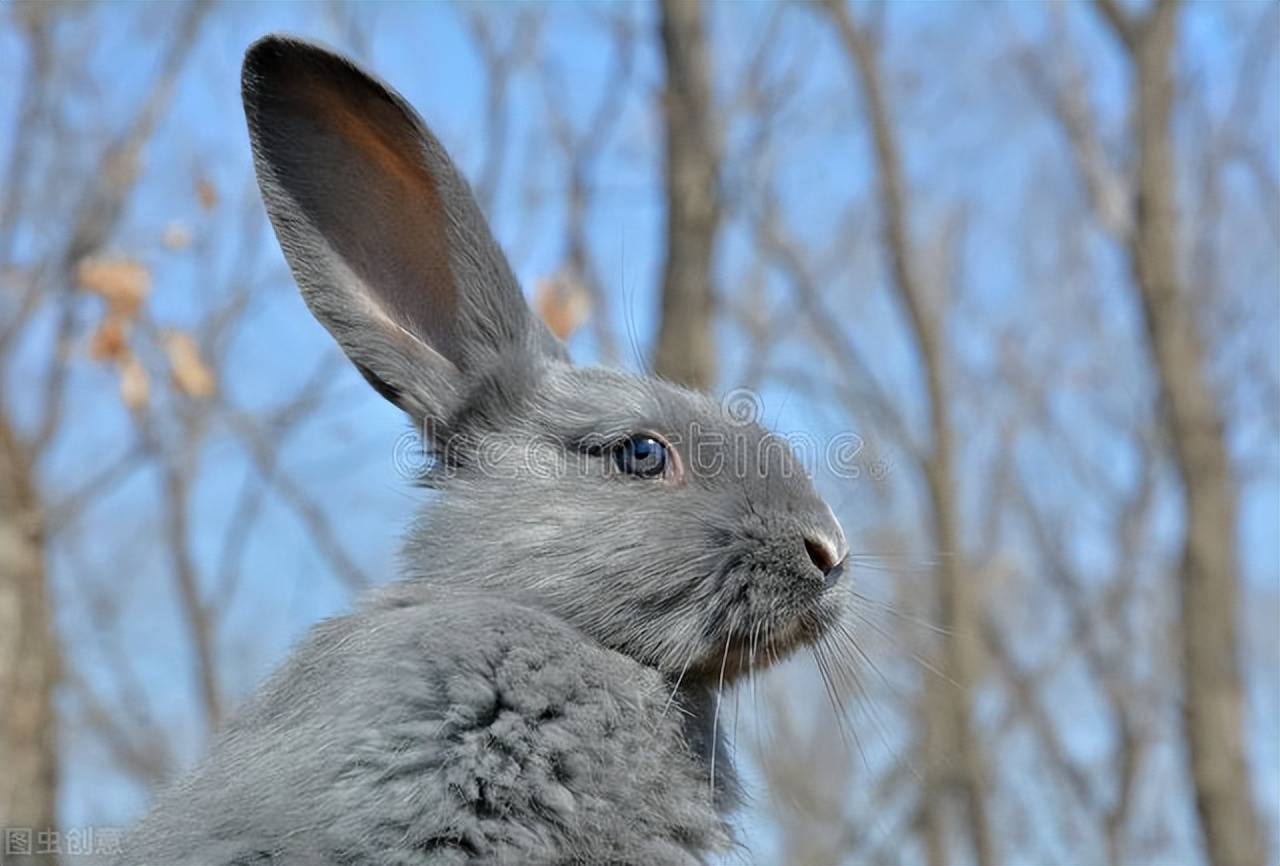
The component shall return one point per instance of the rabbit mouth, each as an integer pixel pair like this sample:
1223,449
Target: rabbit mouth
763,644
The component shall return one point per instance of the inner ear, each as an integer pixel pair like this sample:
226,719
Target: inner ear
350,155
385,240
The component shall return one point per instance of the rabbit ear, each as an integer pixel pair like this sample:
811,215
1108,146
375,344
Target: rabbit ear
381,231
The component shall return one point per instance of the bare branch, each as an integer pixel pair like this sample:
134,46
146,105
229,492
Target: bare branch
500,62
198,619
99,210
581,150
1124,27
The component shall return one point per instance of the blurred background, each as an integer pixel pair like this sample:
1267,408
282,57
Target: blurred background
1021,258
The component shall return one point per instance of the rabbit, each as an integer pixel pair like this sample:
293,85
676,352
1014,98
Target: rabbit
604,553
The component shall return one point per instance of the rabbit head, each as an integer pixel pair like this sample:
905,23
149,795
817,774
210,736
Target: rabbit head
642,513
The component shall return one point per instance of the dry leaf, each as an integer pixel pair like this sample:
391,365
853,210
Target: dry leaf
563,303
188,370
176,236
110,341
134,384
123,283
206,193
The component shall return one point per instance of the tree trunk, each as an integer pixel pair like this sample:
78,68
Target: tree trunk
28,657
954,755
1213,703
685,350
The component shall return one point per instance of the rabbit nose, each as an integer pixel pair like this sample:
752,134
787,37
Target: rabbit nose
825,556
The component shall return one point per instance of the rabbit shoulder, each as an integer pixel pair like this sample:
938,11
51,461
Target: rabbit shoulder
447,729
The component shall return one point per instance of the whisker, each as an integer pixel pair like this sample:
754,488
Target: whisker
767,652
762,740
628,304
864,699
891,555
913,654
679,679
842,725
736,694
857,649
892,610
715,721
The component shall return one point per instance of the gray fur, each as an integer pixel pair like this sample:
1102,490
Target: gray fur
543,685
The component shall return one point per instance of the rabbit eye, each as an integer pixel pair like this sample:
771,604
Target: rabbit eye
642,455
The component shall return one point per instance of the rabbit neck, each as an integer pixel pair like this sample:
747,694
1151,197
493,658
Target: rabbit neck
703,704
700,704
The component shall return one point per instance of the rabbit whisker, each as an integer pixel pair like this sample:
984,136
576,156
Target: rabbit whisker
688,659
715,721
892,610
823,663
843,632
840,637
915,656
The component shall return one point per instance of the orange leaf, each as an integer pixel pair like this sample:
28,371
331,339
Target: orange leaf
186,367
563,303
123,283
110,341
135,387
206,193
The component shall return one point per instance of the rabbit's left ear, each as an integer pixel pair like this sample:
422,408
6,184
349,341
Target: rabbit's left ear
381,231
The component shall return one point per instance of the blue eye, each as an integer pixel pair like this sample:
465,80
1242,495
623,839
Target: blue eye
642,455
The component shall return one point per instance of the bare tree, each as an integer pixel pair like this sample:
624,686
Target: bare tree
1213,706
685,350
98,297
29,657
1046,668
28,651
954,760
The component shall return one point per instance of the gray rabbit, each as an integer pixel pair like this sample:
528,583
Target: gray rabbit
605,554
